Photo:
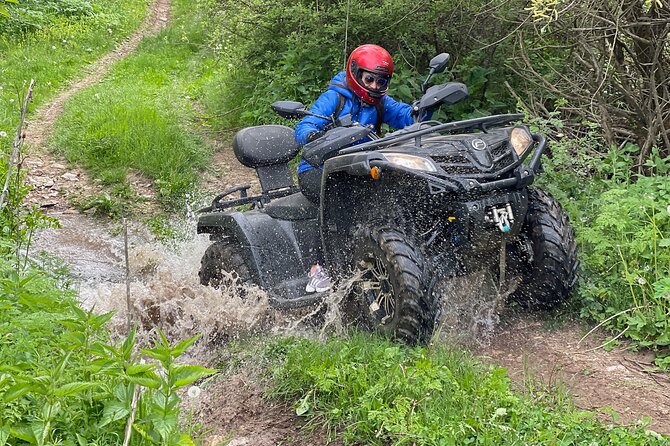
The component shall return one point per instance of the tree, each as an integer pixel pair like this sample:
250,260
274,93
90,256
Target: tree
610,60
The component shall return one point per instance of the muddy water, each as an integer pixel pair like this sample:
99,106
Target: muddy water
163,284
164,289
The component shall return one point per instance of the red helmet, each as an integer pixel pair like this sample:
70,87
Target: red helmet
369,66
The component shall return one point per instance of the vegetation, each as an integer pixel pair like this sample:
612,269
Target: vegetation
51,41
63,380
370,391
137,118
622,223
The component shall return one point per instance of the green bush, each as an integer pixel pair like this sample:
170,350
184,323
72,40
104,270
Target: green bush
622,225
290,50
63,382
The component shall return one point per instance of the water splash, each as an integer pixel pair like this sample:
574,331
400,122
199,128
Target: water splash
165,291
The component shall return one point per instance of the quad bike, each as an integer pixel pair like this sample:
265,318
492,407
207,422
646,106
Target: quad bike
431,201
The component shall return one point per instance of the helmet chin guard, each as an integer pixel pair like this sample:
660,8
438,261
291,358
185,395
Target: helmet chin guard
373,59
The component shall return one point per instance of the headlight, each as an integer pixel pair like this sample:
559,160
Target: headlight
411,161
521,140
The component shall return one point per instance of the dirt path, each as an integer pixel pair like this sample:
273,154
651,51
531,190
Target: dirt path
52,179
233,408
597,379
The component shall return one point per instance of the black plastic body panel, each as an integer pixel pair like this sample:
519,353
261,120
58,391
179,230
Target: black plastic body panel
275,250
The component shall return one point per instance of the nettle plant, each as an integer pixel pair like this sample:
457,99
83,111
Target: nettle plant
624,232
63,382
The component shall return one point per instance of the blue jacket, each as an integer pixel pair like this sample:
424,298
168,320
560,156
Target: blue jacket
396,114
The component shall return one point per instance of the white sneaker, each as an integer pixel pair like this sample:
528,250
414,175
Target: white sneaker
318,280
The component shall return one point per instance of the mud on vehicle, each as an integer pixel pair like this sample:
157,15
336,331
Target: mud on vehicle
424,204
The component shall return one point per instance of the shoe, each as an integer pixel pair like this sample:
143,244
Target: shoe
318,280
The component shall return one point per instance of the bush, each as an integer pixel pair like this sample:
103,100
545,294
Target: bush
275,49
622,225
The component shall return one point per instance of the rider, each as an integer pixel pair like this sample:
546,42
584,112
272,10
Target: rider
359,91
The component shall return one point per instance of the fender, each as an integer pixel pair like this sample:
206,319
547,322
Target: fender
269,245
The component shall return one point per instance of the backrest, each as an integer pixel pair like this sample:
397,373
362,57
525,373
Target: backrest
265,145
268,148
275,177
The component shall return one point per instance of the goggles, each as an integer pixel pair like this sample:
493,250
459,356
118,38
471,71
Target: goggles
371,78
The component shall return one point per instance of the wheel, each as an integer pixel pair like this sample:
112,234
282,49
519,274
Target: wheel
545,257
390,285
221,262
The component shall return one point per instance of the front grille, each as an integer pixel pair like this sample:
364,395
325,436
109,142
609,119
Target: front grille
458,163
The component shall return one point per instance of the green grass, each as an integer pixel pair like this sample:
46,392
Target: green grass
57,53
373,392
137,117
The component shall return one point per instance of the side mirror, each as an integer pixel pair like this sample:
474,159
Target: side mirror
439,63
289,109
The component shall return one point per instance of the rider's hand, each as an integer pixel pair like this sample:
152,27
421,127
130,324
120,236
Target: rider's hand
315,135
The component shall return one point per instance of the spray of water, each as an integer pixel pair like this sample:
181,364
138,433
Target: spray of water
165,291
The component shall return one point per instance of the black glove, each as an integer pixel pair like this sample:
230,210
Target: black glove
315,135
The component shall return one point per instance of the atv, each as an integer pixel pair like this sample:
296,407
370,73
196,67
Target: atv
398,213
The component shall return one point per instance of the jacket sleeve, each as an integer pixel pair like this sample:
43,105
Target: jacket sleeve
325,106
397,114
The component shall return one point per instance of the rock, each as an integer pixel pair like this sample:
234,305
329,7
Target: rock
70,176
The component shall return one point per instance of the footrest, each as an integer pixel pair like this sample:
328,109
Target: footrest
297,302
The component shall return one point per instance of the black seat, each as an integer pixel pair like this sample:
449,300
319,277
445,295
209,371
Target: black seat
268,148
292,207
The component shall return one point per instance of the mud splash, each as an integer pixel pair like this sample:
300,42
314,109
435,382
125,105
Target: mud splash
165,292
164,288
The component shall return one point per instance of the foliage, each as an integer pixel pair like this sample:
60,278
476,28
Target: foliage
623,231
137,117
275,49
61,381
375,392
57,51
610,59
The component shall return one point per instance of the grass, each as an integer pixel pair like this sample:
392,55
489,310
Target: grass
373,392
138,117
57,53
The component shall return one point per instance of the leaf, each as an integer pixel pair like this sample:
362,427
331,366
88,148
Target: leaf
149,379
166,425
183,440
157,353
4,435
23,432
17,391
129,343
74,388
303,406
114,410
664,243
136,369
183,375
180,348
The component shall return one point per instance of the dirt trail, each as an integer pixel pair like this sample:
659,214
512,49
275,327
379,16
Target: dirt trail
52,179
233,409
620,379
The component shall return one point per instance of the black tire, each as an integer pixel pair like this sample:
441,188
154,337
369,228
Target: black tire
390,293
548,263
223,256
